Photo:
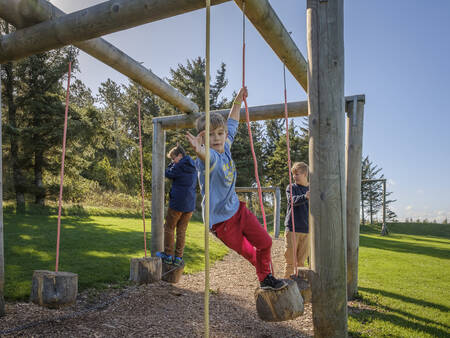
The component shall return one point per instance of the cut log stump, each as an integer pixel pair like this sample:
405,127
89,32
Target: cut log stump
54,289
303,280
171,273
145,270
279,305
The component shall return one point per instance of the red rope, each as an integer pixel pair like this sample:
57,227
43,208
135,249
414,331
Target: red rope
142,177
294,240
66,113
248,125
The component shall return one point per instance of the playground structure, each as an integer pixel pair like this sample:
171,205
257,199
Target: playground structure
335,178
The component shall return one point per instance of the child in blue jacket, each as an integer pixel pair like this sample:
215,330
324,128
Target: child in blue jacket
183,174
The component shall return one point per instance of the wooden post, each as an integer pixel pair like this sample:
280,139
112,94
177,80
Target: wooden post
25,13
158,168
384,228
353,155
2,252
276,212
325,40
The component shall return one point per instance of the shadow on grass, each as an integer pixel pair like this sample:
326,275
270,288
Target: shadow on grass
396,316
406,247
98,253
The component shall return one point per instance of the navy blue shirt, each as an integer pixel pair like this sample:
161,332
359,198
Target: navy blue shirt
301,208
184,180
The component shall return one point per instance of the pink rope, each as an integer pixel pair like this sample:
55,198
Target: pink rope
66,113
294,242
142,177
248,125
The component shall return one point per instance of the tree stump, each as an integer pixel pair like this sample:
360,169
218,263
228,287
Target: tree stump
54,289
279,305
171,273
145,270
303,280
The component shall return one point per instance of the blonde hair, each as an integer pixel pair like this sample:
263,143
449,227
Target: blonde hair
299,166
216,121
175,151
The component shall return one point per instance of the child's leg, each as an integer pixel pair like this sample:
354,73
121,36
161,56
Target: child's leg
169,227
181,233
230,233
259,238
288,254
302,249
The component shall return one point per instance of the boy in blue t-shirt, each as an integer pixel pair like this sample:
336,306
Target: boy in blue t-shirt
230,220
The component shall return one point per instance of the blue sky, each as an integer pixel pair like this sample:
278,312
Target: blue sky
396,53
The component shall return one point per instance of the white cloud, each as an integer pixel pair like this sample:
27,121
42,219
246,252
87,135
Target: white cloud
409,207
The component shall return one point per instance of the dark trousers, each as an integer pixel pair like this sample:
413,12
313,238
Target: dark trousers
175,220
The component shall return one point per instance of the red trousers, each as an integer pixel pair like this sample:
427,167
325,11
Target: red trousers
244,234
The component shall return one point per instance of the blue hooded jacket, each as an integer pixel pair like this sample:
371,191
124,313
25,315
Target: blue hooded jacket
184,180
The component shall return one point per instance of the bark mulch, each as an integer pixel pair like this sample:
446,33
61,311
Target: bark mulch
164,310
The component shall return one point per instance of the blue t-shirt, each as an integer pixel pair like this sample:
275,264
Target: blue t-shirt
224,202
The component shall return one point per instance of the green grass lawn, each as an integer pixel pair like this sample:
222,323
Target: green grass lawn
97,248
404,282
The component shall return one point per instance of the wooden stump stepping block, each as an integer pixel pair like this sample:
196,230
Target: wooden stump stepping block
279,305
303,280
54,289
171,273
145,270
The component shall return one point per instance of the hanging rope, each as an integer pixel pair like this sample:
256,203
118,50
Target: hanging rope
294,240
247,116
142,173
207,168
61,183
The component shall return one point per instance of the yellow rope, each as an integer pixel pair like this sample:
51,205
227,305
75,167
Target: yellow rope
207,169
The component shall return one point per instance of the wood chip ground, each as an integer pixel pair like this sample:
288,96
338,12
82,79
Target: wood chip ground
165,310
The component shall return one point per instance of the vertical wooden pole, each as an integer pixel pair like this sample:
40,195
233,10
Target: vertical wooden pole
2,260
276,212
325,40
353,155
158,166
384,228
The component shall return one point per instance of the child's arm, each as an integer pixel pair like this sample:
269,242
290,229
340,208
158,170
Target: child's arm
173,170
235,111
297,199
197,143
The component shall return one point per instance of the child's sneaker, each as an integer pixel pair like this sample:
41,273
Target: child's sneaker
166,259
178,261
271,283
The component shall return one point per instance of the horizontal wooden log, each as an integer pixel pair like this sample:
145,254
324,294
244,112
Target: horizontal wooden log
266,21
104,18
279,305
257,113
25,13
54,289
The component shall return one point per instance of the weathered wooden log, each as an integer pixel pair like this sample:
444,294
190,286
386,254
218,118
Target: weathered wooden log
54,289
279,305
304,280
171,273
145,270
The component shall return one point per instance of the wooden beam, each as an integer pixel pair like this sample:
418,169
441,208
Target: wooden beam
92,22
325,41
353,156
158,169
2,252
266,21
257,113
24,13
